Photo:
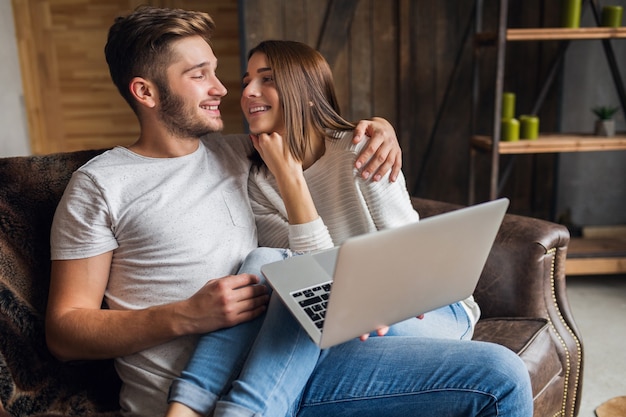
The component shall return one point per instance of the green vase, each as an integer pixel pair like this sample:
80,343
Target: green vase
570,13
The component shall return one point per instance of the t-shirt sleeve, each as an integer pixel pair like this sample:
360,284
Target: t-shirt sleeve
82,223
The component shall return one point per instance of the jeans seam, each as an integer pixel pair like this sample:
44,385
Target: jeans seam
399,394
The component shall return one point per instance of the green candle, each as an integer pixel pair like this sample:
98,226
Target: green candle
529,127
510,129
570,13
612,16
508,105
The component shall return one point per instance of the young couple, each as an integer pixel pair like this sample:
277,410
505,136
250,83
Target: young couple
145,228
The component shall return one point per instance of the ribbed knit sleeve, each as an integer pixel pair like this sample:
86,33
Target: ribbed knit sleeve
388,203
349,204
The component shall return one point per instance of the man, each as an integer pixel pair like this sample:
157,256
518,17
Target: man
149,228
192,197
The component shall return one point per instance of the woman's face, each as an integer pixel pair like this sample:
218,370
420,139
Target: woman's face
259,99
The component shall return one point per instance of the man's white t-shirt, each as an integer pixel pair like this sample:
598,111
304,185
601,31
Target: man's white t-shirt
146,211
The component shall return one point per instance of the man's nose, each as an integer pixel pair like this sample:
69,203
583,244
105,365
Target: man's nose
217,88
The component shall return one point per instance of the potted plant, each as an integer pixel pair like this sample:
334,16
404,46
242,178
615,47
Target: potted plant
605,125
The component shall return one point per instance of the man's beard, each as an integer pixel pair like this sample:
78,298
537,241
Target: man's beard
179,120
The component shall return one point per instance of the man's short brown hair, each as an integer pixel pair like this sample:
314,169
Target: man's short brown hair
138,44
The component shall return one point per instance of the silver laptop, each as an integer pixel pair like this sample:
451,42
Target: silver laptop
382,278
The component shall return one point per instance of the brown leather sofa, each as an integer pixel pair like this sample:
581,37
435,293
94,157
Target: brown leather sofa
521,292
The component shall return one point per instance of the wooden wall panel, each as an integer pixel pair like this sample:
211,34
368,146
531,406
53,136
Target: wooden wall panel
385,68
71,102
440,65
360,64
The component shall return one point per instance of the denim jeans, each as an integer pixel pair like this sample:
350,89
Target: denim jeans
270,367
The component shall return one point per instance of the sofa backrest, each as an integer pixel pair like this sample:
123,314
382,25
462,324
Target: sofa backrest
31,380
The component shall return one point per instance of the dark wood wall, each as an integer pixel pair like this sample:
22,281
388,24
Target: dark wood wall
412,62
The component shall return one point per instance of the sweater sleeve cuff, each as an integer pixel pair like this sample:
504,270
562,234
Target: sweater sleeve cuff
309,236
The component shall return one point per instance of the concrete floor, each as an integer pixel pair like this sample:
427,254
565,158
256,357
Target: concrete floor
599,307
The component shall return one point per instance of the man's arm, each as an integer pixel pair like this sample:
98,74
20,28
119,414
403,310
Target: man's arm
382,152
78,328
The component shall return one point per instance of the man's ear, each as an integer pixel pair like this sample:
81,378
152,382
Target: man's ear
143,91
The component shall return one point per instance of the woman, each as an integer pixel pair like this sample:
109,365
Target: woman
304,193
305,196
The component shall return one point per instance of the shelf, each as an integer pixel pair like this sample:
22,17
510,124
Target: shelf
553,143
600,250
591,256
588,255
553,34
546,34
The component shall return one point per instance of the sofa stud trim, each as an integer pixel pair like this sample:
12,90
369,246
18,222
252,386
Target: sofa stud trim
552,253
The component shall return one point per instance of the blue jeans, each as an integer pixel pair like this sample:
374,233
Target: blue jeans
270,367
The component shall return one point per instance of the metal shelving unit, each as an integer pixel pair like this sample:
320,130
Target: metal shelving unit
547,142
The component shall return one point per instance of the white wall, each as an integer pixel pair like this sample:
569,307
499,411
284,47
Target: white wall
13,124
592,185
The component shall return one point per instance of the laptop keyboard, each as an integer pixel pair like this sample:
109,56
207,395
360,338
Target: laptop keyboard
313,301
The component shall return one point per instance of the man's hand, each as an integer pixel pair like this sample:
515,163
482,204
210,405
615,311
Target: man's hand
78,328
382,152
224,302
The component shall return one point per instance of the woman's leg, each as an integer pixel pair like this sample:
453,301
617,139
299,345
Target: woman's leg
284,347
408,376
449,322
276,370
219,355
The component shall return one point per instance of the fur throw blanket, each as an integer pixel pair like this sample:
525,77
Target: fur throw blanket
32,381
